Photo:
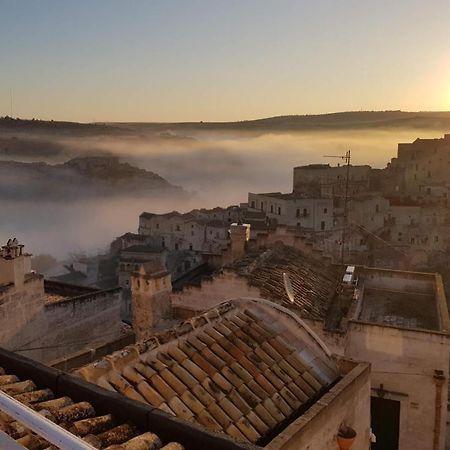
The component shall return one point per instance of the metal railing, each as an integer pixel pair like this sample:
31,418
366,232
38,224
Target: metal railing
43,427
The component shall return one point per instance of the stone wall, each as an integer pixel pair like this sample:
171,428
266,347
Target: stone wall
405,362
397,280
348,402
48,331
211,292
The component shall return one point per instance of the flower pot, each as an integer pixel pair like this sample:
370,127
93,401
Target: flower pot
345,438
345,443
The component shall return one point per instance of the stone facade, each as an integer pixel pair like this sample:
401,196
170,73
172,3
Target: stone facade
315,214
330,181
150,298
43,322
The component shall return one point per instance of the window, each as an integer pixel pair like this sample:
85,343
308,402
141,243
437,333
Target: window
192,233
377,208
271,208
322,225
279,211
163,243
157,226
190,246
176,246
305,212
325,210
436,239
297,214
178,227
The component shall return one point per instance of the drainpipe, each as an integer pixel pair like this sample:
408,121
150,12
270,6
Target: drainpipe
439,380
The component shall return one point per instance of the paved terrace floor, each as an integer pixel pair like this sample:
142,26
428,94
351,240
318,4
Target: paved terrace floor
400,309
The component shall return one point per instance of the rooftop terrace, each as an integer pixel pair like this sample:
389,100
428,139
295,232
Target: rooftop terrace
410,300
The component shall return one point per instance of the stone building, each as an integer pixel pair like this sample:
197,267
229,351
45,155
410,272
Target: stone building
420,165
314,214
396,320
176,231
247,369
330,181
48,320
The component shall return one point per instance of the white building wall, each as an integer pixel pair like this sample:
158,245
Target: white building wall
312,213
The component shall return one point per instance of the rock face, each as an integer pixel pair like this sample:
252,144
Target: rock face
80,177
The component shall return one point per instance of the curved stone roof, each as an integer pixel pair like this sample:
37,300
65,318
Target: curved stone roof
245,368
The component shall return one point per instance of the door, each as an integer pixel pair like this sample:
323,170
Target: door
385,423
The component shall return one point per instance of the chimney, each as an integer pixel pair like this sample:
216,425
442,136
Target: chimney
239,235
14,264
150,300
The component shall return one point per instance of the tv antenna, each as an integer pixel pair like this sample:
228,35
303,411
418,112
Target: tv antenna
11,101
346,158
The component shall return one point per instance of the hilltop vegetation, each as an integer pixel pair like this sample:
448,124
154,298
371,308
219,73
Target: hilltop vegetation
331,121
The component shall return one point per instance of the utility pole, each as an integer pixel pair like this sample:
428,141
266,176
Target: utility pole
346,158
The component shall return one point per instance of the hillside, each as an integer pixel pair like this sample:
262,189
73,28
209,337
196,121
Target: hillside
331,121
82,177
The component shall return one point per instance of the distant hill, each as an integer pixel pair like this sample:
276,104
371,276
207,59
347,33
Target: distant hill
332,121
44,127
167,130
81,177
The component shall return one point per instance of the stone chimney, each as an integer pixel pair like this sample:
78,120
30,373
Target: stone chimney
239,235
14,263
150,300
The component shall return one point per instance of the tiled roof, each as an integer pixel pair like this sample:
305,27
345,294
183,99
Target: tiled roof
79,418
314,282
245,368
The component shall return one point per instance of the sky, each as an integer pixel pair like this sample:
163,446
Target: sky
221,60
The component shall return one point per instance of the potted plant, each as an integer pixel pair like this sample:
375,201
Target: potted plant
345,437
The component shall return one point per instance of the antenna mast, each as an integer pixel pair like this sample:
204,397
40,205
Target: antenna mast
11,101
346,158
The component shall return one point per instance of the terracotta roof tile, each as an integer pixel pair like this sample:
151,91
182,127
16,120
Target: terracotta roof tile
313,282
101,431
243,369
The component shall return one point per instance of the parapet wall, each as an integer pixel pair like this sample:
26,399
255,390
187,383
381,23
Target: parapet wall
46,331
66,289
398,280
347,402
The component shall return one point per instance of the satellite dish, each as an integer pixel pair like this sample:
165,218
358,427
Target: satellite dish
288,287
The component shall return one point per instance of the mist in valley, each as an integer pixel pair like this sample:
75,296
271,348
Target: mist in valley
218,168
